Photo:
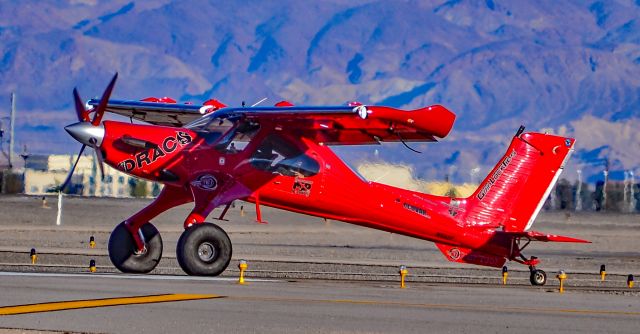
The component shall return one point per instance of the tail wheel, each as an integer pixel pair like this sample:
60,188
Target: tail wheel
204,250
538,277
123,251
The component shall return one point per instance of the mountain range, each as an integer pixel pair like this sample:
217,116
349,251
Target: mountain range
564,67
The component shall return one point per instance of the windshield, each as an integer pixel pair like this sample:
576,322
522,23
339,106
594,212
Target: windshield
210,128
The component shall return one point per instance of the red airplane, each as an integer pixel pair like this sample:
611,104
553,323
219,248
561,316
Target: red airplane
280,157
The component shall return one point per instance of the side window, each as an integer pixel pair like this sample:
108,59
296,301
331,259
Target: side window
278,156
211,129
237,140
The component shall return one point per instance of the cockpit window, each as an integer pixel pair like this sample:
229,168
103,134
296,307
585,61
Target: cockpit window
276,155
211,128
237,140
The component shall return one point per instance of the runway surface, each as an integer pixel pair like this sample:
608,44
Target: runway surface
220,305
306,276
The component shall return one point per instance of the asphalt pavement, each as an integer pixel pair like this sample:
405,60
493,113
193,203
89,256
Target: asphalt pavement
306,275
307,306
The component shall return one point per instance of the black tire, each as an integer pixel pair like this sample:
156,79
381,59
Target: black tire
204,250
538,277
122,249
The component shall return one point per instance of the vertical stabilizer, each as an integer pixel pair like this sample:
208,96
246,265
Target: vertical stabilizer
513,193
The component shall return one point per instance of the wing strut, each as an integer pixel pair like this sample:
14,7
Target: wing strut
258,212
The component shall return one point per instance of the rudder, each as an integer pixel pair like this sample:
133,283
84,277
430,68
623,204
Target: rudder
514,191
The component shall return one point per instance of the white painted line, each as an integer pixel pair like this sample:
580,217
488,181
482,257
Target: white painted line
140,277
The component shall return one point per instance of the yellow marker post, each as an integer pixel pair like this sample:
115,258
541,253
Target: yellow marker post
630,281
603,272
241,210
561,277
505,274
92,266
403,274
242,266
92,242
34,256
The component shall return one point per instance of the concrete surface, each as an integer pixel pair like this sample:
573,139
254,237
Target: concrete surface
315,307
331,277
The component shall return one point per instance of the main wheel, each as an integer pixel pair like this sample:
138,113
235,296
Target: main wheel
538,277
204,250
122,249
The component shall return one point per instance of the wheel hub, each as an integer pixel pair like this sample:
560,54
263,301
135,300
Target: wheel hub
206,252
140,252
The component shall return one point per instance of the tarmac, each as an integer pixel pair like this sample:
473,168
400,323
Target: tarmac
308,275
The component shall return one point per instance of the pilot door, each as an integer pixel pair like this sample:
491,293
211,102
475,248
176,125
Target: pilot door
294,166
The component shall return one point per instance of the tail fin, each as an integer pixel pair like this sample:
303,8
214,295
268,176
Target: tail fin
513,193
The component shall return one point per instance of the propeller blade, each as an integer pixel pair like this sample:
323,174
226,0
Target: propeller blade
98,156
83,114
103,101
68,179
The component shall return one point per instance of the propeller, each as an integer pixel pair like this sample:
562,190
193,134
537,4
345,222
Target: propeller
87,131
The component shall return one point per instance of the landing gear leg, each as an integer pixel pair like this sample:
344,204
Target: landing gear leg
124,253
204,249
135,245
537,277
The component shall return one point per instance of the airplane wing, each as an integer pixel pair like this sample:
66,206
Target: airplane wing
354,125
332,125
166,114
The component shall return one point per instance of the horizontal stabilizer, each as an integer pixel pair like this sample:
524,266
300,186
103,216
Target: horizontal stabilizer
539,236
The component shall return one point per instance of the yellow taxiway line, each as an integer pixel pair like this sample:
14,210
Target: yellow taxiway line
90,303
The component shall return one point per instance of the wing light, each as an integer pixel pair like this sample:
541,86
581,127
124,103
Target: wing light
362,111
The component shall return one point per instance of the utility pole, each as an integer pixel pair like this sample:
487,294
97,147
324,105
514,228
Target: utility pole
579,192
632,200
604,186
625,190
2,141
11,129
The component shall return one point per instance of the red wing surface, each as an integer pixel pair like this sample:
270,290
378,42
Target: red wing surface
332,125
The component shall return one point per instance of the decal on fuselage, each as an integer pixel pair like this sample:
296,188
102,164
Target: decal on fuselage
483,260
454,254
169,145
302,187
494,177
205,182
416,209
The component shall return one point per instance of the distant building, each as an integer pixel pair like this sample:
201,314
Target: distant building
38,162
85,181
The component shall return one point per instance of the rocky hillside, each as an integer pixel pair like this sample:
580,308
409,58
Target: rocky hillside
569,67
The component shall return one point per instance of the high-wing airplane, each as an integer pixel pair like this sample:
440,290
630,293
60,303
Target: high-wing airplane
280,157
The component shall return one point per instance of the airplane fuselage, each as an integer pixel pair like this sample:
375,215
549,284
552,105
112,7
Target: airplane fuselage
327,188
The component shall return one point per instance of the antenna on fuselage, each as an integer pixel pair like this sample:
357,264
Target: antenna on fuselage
255,104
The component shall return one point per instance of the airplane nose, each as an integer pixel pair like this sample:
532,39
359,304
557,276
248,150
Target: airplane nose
85,131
